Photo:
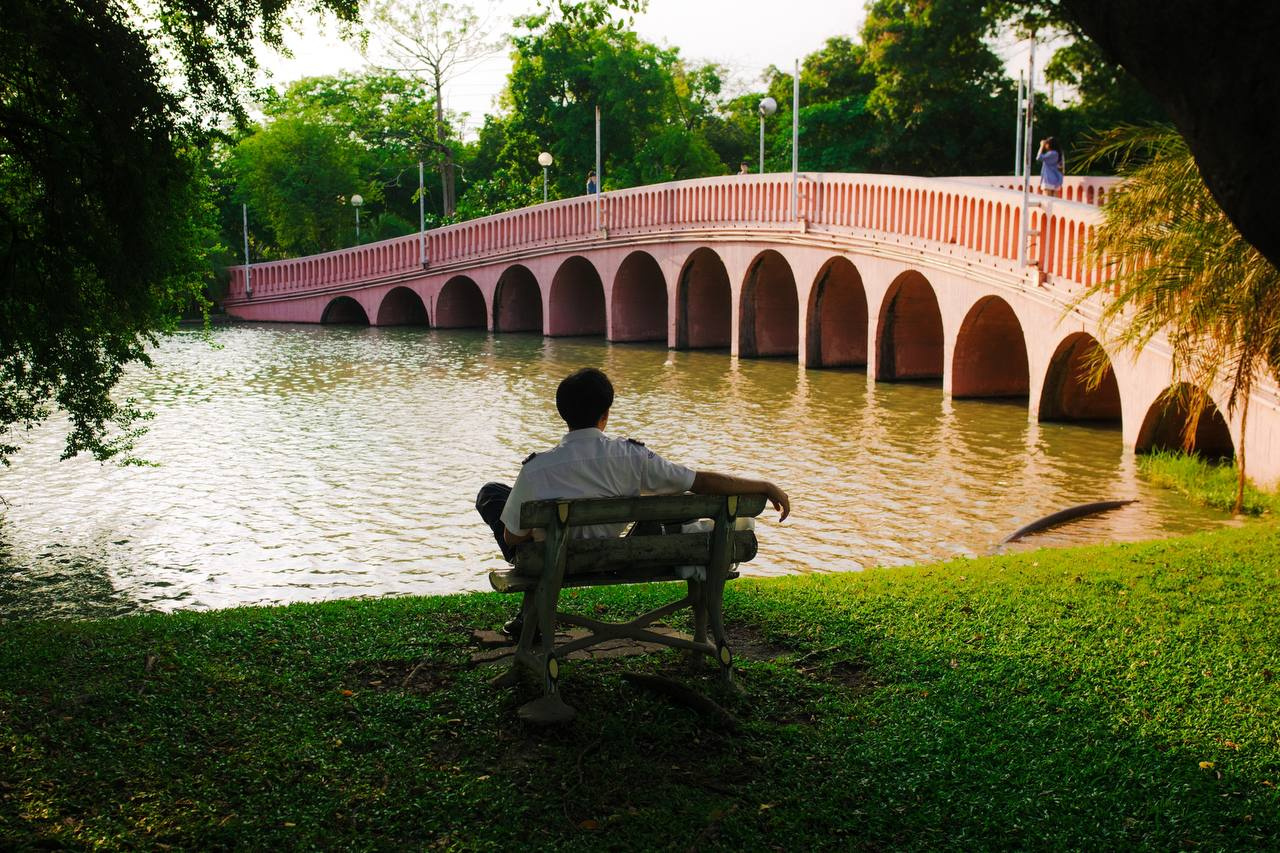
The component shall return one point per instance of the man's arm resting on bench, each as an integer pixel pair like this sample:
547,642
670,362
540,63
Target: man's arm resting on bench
712,483
709,483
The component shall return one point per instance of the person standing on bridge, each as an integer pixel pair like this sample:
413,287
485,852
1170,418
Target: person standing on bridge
1051,166
743,168
593,186
588,464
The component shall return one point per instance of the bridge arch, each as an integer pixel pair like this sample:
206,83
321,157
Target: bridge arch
1067,395
576,304
1167,419
837,319
704,302
769,308
909,338
344,311
990,357
402,307
638,307
460,305
517,301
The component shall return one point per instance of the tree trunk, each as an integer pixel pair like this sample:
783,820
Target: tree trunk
450,201
1244,424
442,142
1212,66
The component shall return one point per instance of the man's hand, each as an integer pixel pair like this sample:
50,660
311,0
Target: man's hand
780,501
711,483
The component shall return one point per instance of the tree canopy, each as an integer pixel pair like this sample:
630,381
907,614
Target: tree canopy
653,106
107,222
322,140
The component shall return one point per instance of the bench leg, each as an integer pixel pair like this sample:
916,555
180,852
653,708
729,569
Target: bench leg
546,622
550,707
714,594
511,676
698,594
528,620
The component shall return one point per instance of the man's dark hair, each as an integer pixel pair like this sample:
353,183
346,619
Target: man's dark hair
583,397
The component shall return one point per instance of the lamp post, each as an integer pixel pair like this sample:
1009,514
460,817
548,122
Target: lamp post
768,107
248,268
1018,126
545,160
356,201
795,143
599,170
422,220
1027,135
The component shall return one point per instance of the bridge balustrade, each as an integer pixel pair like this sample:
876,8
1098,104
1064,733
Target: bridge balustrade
980,217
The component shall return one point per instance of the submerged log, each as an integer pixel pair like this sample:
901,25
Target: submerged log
1062,517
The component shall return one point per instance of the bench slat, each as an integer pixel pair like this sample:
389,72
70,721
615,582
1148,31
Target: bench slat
647,508
511,581
603,555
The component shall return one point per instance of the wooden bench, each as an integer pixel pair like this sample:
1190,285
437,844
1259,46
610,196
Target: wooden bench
544,568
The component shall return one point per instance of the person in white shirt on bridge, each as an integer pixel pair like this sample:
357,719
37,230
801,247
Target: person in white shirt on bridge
588,464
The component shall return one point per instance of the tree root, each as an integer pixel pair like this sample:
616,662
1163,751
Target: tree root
684,696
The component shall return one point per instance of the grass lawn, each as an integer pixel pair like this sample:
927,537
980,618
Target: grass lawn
1104,697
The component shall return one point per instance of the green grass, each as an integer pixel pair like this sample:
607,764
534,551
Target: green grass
1103,697
1206,483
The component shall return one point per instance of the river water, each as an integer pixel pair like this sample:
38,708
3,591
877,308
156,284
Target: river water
301,463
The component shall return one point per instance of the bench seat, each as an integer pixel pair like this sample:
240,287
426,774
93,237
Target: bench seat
512,581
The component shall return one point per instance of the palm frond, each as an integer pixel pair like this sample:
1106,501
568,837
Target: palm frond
1177,267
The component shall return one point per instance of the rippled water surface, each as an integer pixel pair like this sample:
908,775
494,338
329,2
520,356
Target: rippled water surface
302,463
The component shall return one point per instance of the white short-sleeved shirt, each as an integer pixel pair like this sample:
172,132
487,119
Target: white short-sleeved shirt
588,464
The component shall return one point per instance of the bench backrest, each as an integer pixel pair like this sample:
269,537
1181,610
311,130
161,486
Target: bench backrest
723,542
664,508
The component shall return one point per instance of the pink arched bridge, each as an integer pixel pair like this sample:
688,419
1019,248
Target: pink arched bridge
913,278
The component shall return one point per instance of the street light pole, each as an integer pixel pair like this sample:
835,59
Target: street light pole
599,170
248,282
356,201
1027,136
795,143
768,106
545,160
422,219
1017,144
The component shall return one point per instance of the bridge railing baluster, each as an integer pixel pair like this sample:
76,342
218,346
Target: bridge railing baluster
978,216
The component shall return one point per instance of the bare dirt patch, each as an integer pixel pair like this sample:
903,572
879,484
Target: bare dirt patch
852,674
412,676
747,641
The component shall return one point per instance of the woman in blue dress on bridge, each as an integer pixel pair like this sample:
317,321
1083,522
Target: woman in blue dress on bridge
1051,166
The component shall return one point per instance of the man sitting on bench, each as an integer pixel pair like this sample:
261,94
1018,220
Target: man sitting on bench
588,464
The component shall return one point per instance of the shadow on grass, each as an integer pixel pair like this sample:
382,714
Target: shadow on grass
363,724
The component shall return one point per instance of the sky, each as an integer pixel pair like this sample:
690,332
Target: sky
743,36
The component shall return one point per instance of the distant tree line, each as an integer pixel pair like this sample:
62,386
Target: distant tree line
920,92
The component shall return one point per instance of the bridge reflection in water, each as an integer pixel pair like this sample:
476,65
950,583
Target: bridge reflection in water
912,278
307,462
